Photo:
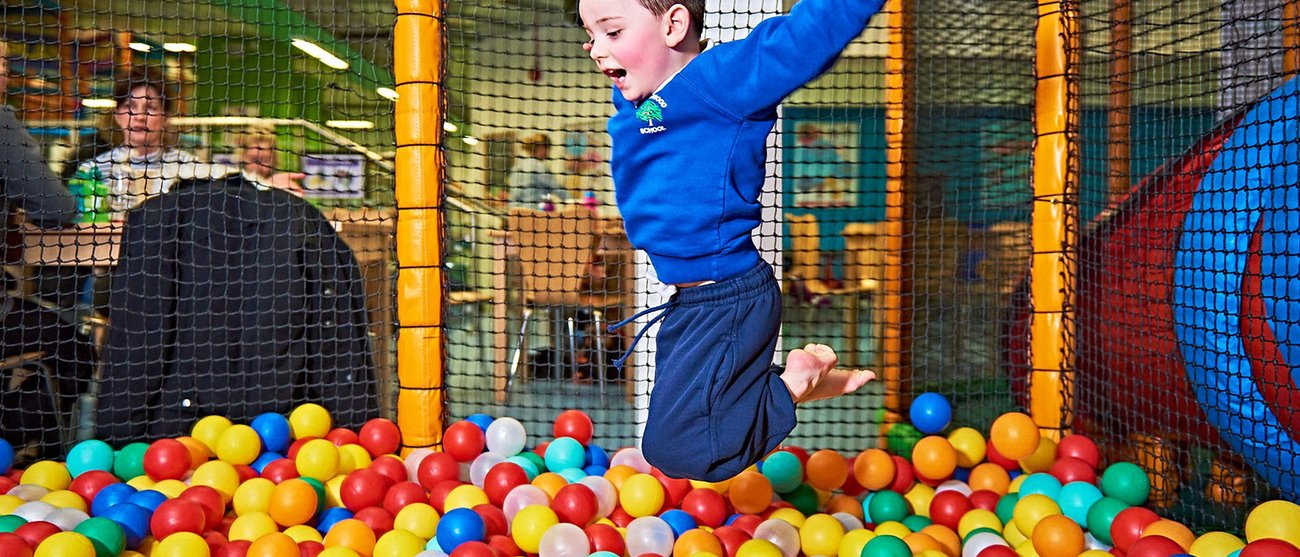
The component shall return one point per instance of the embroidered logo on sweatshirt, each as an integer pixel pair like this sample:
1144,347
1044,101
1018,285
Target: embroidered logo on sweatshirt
650,112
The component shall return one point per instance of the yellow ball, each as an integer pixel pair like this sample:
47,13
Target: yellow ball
465,496
1042,459
893,528
181,544
978,518
533,521
854,540
65,499
356,457
1215,544
208,429
1013,536
550,482
66,544
1096,553
821,534
1272,519
171,488
970,446
1032,509
641,495
239,444
931,553
334,491
48,474
1027,550
791,516
317,459
720,487
253,496
398,543
758,548
141,482
1014,486
310,420
420,519
919,496
303,533
252,526
217,475
10,502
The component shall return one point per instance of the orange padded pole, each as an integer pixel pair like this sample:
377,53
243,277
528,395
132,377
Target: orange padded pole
1121,91
900,80
1055,216
1291,37
420,177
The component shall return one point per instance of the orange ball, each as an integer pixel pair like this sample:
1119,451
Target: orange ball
550,482
616,474
919,542
950,541
198,451
352,534
274,544
826,470
293,502
697,541
1042,459
934,458
874,469
750,493
990,477
842,503
1058,536
1173,530
1015,435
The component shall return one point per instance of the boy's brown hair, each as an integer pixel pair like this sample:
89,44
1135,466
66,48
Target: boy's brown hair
694,7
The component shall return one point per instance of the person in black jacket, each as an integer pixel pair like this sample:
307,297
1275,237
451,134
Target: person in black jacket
233,300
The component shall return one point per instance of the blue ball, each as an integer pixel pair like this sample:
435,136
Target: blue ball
459,526
273,429
596,456
91,454
264,459
565,452
931,413
1040,483
593,470
331,516
784,470
961,474
6,456
680,521
572,475
134,521
1075,499
866,507
110,496
147,499
732,519
480,420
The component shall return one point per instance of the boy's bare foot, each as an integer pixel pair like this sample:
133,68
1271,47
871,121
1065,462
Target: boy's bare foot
810,374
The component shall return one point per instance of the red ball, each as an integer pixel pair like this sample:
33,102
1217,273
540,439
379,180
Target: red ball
731,538
7,484
947,508
575,424
505,545
747,523
236,548
540,449
380,437
494,520
166,459
708,507
310,548
903,475
35,532
851,486
604,537
501,478
575,504
1080,447
214,506
1072,469
798,452
1269,547
620,517
1128,525
985,499
675,489
279,470
437,468
997,551
88,484
438,495
363,488
403,494
12,544
342,436
215,541
474,549
391,467
245,472
292,453
178,515
992,455
378,519
1154,546
464,441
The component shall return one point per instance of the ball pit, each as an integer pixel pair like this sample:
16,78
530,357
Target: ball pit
226,490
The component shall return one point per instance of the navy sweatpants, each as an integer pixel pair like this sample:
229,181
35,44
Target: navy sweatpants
718,403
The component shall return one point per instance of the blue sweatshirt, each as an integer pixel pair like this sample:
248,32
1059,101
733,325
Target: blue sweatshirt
688,162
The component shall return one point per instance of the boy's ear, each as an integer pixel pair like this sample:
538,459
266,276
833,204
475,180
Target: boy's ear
677,22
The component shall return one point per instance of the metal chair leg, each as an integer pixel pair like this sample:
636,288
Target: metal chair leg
519,348
598,363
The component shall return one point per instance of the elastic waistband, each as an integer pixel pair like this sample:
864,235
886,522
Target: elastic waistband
742,286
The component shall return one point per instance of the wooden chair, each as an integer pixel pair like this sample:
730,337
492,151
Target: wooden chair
804,272
555,250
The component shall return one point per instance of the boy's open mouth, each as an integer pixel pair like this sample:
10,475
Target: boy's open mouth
616,73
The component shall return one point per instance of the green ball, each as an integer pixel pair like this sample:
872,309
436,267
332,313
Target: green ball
901,438
529,467
538,463
319,488
128,463
11,522
106,536
886,546
916,522
1127,482
1006,507
783,470
886,506
1101,514
804,499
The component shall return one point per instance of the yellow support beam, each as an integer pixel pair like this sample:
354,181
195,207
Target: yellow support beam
900,116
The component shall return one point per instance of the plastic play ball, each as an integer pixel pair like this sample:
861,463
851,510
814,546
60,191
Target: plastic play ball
133,519
1171,529
1076,498
293,502
310,420
886,546
48,474
641,495
1080,447
1042,459
1215,544
177,515
506,436
238,444
182,544
463,441
317,459
564,540
522,497
501,479
630,456
970,446
1127,482
398,543
874,469
979,542
827,470
380,436
1128,525
606,494
1040,483
352,534
930,413
1058,536
759,548
253,496
435,469
707,507
750,493
934,458
575,504
1015,435
1070,469
887,506
364,488
208,429
1154,546
565,452
91,454
573,423
783,470
1032,509
166,459
1273,519
1101,516
1269,547
528,526
274,431
649,534
65,544
821,534
106,536
273,544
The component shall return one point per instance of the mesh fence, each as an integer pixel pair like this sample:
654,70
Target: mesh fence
145,276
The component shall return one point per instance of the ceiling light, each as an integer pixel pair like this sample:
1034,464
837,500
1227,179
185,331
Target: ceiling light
450,127
316,51
98,103
387,93
350,124
142,47
180,47
470,140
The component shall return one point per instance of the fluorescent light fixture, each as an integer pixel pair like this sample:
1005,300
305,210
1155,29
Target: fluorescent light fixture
350,124
180,47
99,103
316,51
387,93
470,140
450,127
141,47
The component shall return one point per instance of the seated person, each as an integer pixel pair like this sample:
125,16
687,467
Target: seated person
531,183
257,155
